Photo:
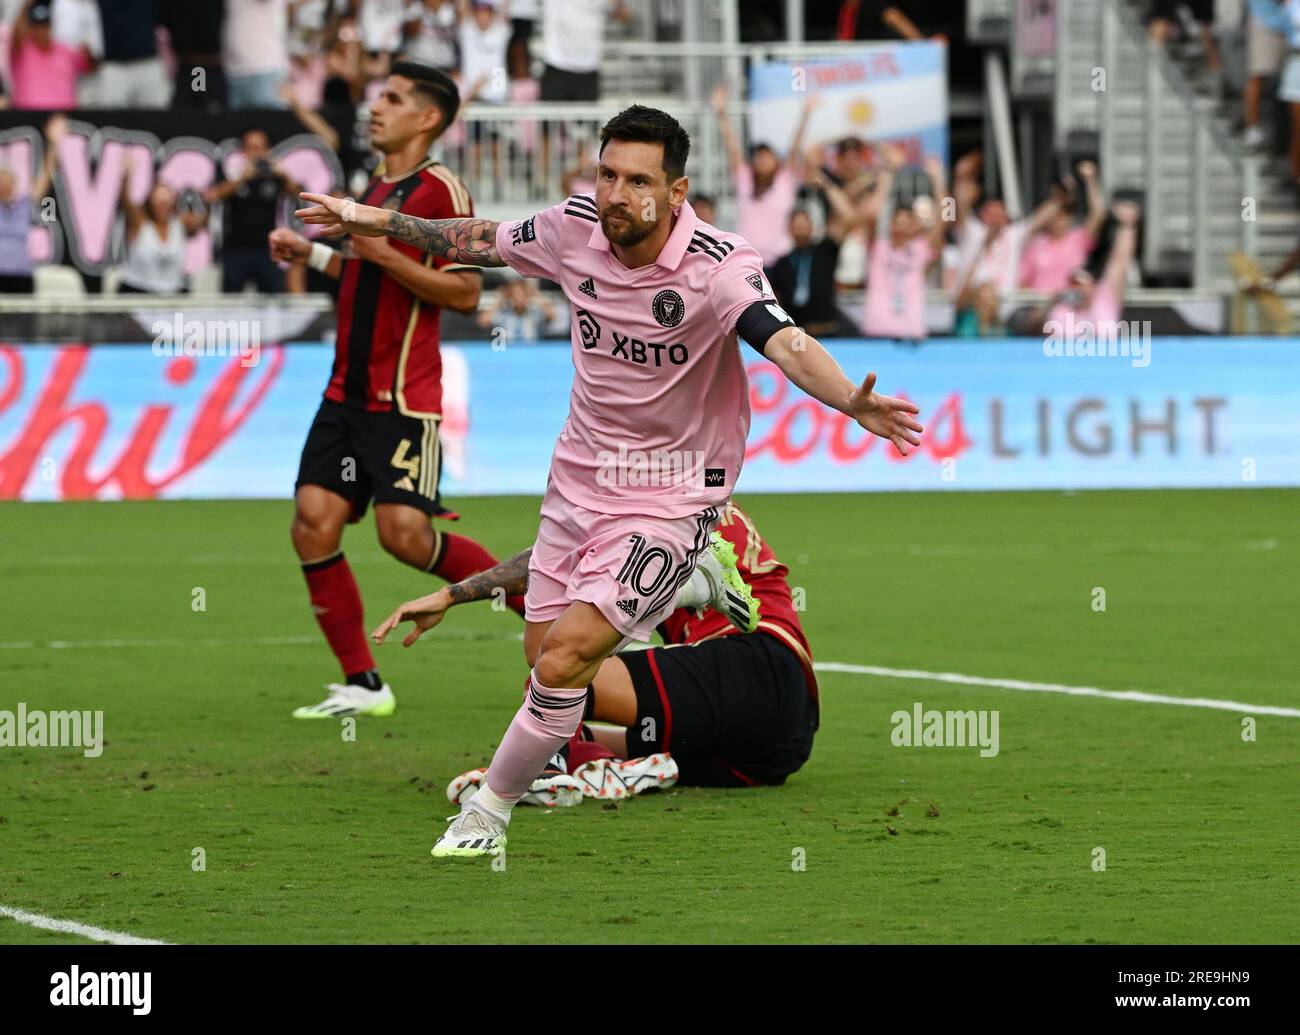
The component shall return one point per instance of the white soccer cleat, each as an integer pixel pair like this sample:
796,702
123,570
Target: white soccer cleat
550,790
472,833
345,699
610,778
729,593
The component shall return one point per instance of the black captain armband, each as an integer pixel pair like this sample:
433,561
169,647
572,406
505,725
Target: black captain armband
762,320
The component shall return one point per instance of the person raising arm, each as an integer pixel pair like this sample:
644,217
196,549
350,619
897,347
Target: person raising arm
797,354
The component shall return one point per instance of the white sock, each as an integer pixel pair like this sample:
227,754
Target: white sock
695,592
491,803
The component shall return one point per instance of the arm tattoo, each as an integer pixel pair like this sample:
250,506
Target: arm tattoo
510,576
472,241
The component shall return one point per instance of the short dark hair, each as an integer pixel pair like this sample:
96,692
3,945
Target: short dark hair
433,85
643,125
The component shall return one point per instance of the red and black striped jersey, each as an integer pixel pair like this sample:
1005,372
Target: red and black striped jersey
766,576
388,349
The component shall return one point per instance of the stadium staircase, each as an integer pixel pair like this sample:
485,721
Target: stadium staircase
1152,117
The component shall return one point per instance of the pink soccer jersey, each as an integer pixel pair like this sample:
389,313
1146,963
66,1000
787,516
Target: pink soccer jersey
659,409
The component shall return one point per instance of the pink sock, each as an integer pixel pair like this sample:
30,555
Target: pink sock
547,718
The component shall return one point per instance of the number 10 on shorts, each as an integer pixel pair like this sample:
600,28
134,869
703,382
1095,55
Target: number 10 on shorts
646,566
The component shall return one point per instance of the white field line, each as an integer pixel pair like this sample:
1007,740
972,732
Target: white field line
958,678
1140,696
95,934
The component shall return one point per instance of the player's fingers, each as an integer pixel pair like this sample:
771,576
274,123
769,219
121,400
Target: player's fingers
323,200
869,384
412,636
909,436
389,624
337,230
383,629
902,405
899,444
910,424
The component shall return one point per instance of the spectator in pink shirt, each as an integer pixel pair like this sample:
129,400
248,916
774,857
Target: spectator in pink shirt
898,262
766,185
1050,257
990,243
42,70
1099,302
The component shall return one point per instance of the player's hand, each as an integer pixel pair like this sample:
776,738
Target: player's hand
1088,171
426,612
341,216
885,416
371,249
288,246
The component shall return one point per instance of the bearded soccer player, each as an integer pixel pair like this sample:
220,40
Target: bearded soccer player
737,709
659,300
375,435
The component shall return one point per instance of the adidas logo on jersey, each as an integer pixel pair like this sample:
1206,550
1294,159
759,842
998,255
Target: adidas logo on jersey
628,607
588,288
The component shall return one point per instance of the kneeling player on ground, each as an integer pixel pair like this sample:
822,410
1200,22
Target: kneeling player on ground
737,708
659,303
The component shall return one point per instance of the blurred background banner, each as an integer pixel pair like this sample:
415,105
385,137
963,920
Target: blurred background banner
896,92
186,152
110,422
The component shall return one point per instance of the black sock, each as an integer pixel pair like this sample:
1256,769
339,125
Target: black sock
370,680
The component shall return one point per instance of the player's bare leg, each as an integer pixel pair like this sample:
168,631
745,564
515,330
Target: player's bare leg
317,533
569,656
407,534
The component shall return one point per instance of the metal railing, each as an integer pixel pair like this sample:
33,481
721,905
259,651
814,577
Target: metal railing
513,157
1154,134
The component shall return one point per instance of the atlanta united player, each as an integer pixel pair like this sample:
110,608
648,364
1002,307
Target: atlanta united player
659,300
737,709
376,432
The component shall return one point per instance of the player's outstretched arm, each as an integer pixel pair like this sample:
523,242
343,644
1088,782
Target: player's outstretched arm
510,578
469,240
804,360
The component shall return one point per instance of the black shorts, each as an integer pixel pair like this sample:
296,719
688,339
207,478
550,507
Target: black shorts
360,455
561,85
733,712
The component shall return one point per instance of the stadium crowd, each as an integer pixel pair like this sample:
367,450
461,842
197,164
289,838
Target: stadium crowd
215,55
831,218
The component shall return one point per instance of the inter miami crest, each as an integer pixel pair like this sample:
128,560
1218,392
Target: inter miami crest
756,282
668,308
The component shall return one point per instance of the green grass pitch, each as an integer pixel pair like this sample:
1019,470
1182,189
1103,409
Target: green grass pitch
310,838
